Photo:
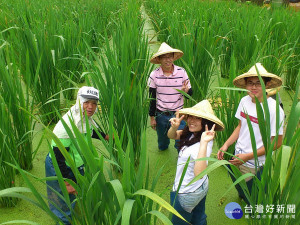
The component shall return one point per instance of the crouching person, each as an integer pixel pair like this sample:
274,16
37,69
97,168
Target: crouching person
87,99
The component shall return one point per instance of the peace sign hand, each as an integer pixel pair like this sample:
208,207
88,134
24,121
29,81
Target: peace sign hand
185,86
208,135
175,122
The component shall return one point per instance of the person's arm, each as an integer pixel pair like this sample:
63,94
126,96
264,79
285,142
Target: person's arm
95,135
189,92
173,132
206,137
261,151
152,107
233,137
186,84
61,161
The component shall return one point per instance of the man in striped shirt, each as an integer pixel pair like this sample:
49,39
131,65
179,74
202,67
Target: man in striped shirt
165,99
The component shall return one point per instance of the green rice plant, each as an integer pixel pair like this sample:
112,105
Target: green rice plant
253,33
17,97
225,104
293,64
37,67
52,37
7,173
224,56
279,181
102,197
293,67
120,73
198,60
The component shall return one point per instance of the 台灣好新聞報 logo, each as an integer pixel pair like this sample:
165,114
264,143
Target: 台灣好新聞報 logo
233,210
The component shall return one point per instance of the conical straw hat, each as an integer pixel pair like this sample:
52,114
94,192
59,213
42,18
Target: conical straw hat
275,81
272,91
164,49
203,110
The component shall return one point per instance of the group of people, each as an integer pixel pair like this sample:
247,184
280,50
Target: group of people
193,130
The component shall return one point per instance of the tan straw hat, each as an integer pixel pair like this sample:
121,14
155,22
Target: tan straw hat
203,110
164,49
275,81
272,91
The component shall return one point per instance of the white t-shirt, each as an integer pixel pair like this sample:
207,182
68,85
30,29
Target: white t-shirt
184,154
243,144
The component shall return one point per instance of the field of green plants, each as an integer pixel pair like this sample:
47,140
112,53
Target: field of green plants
48,51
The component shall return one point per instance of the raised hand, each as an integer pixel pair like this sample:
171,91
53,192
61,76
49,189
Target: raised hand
208,135
220,154
175,122
185,86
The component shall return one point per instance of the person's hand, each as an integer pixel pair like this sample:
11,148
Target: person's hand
208,135
107,137
153,122
175,121
185,86
70,189
220,153
237,162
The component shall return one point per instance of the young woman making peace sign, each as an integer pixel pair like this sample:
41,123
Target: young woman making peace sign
195,143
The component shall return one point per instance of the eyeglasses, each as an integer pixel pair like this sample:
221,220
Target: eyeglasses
250,84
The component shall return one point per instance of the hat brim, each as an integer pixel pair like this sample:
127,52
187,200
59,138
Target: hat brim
90,97
275,81
210,117
155,58
272,91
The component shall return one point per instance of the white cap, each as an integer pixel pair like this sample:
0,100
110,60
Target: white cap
88,93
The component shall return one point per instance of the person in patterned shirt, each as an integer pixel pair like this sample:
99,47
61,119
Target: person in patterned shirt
165,99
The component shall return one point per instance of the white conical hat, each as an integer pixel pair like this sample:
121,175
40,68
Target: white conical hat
275,81
203,110
164,49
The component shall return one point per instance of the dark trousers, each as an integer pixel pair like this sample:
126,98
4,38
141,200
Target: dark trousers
57,205
162,127
196,217
249,184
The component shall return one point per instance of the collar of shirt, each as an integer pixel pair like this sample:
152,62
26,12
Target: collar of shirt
161,73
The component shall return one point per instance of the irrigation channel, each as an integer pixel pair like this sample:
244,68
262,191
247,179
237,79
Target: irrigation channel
219,179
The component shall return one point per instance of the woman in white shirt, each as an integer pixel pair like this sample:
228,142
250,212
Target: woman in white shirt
196,141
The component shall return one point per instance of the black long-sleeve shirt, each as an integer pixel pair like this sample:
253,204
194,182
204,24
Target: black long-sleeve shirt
61,161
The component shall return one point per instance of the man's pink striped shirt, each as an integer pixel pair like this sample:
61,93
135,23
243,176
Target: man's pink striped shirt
167,97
